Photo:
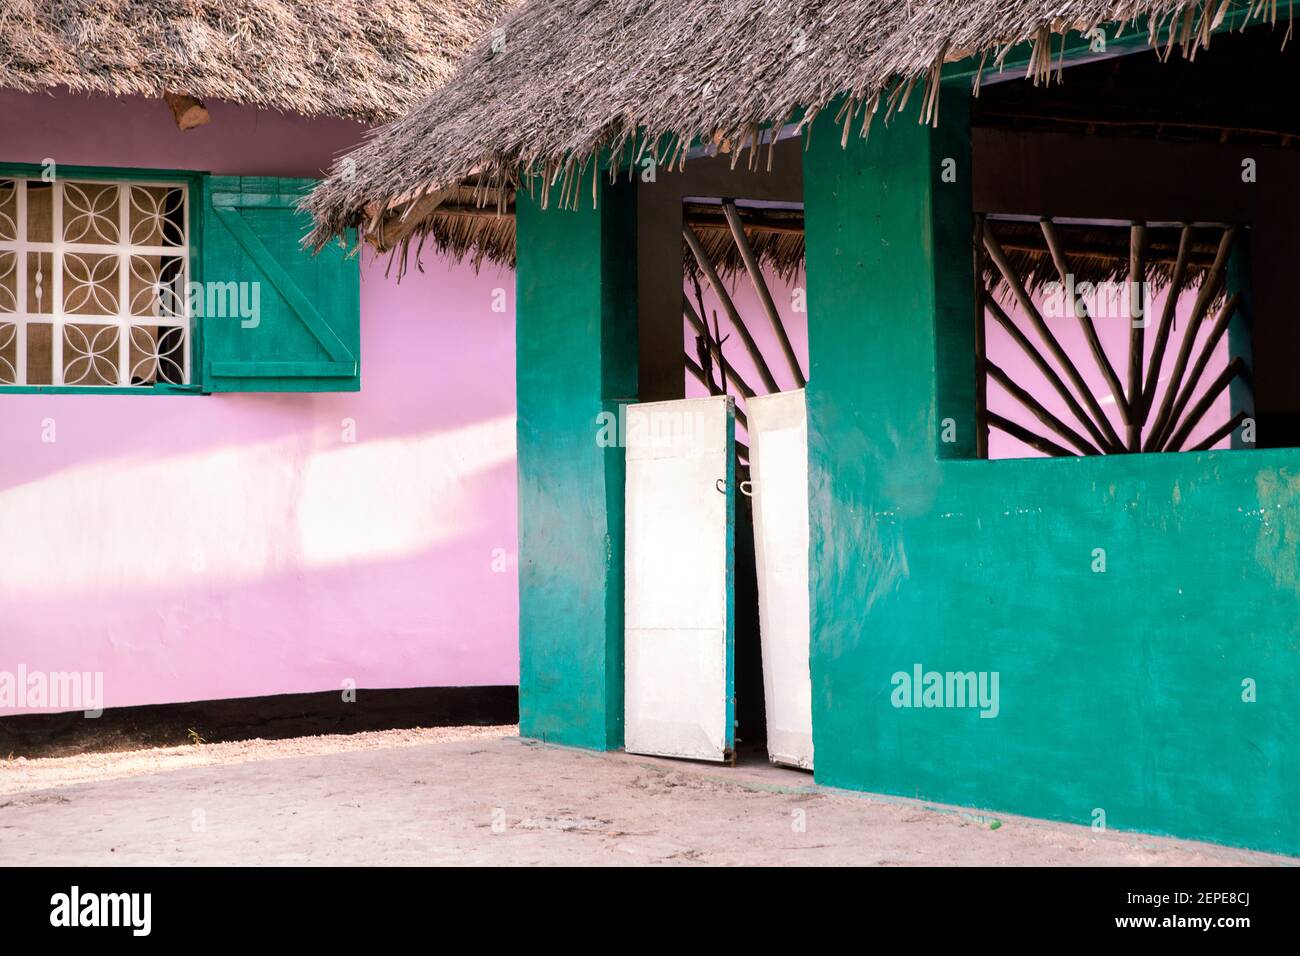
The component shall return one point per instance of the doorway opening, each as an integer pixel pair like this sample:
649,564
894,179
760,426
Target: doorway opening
745,334
743,360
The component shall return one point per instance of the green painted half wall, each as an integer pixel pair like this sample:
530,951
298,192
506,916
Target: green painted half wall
577,356
1121,692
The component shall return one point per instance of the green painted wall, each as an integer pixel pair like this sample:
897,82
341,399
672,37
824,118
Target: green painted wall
576,356
1119,691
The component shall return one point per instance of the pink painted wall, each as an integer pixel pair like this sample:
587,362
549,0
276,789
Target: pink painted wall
197,547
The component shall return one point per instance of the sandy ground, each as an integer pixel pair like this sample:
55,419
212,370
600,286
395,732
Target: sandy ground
21,774
480,795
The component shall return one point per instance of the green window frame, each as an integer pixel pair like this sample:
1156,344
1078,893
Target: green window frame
302,333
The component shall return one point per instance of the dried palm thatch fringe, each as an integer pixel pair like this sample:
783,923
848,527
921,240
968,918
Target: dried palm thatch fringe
775,237
488,232
565,88
349,58
1097,254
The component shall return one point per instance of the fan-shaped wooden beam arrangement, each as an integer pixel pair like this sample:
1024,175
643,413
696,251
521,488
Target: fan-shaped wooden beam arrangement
1146,427
746,228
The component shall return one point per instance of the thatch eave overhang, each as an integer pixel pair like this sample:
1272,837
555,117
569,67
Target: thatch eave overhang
537,111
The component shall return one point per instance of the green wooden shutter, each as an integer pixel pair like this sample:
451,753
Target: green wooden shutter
308,332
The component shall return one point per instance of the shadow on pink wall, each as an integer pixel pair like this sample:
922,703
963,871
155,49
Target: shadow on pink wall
197,547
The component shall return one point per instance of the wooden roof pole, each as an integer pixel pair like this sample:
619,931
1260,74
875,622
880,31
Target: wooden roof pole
720,290
981,335
187,111
760,286
758,223
1080,310
714,340
697,372
1111,439
701,329
1046,446
1035,408
1222,432
1236,367
1043,366
388,228
1207,352
1166,323
1154,256
1137,272
1209,288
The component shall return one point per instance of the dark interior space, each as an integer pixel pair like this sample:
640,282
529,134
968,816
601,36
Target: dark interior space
751,714
1236,91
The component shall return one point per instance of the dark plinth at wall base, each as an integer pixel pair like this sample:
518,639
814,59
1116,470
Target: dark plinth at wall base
245,718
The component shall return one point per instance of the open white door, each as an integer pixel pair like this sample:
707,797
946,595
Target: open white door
679,597
778,445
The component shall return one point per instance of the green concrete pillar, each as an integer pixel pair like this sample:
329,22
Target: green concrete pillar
892,351
576,357
1154,693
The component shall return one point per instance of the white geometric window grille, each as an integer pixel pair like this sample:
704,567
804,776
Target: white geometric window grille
93,278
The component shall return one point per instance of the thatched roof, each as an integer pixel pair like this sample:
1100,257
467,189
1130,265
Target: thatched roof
573,79
368,60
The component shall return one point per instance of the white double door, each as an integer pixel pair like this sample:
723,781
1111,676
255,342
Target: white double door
679,599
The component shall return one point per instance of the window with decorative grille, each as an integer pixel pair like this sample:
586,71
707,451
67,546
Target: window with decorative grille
1099,337
93,283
